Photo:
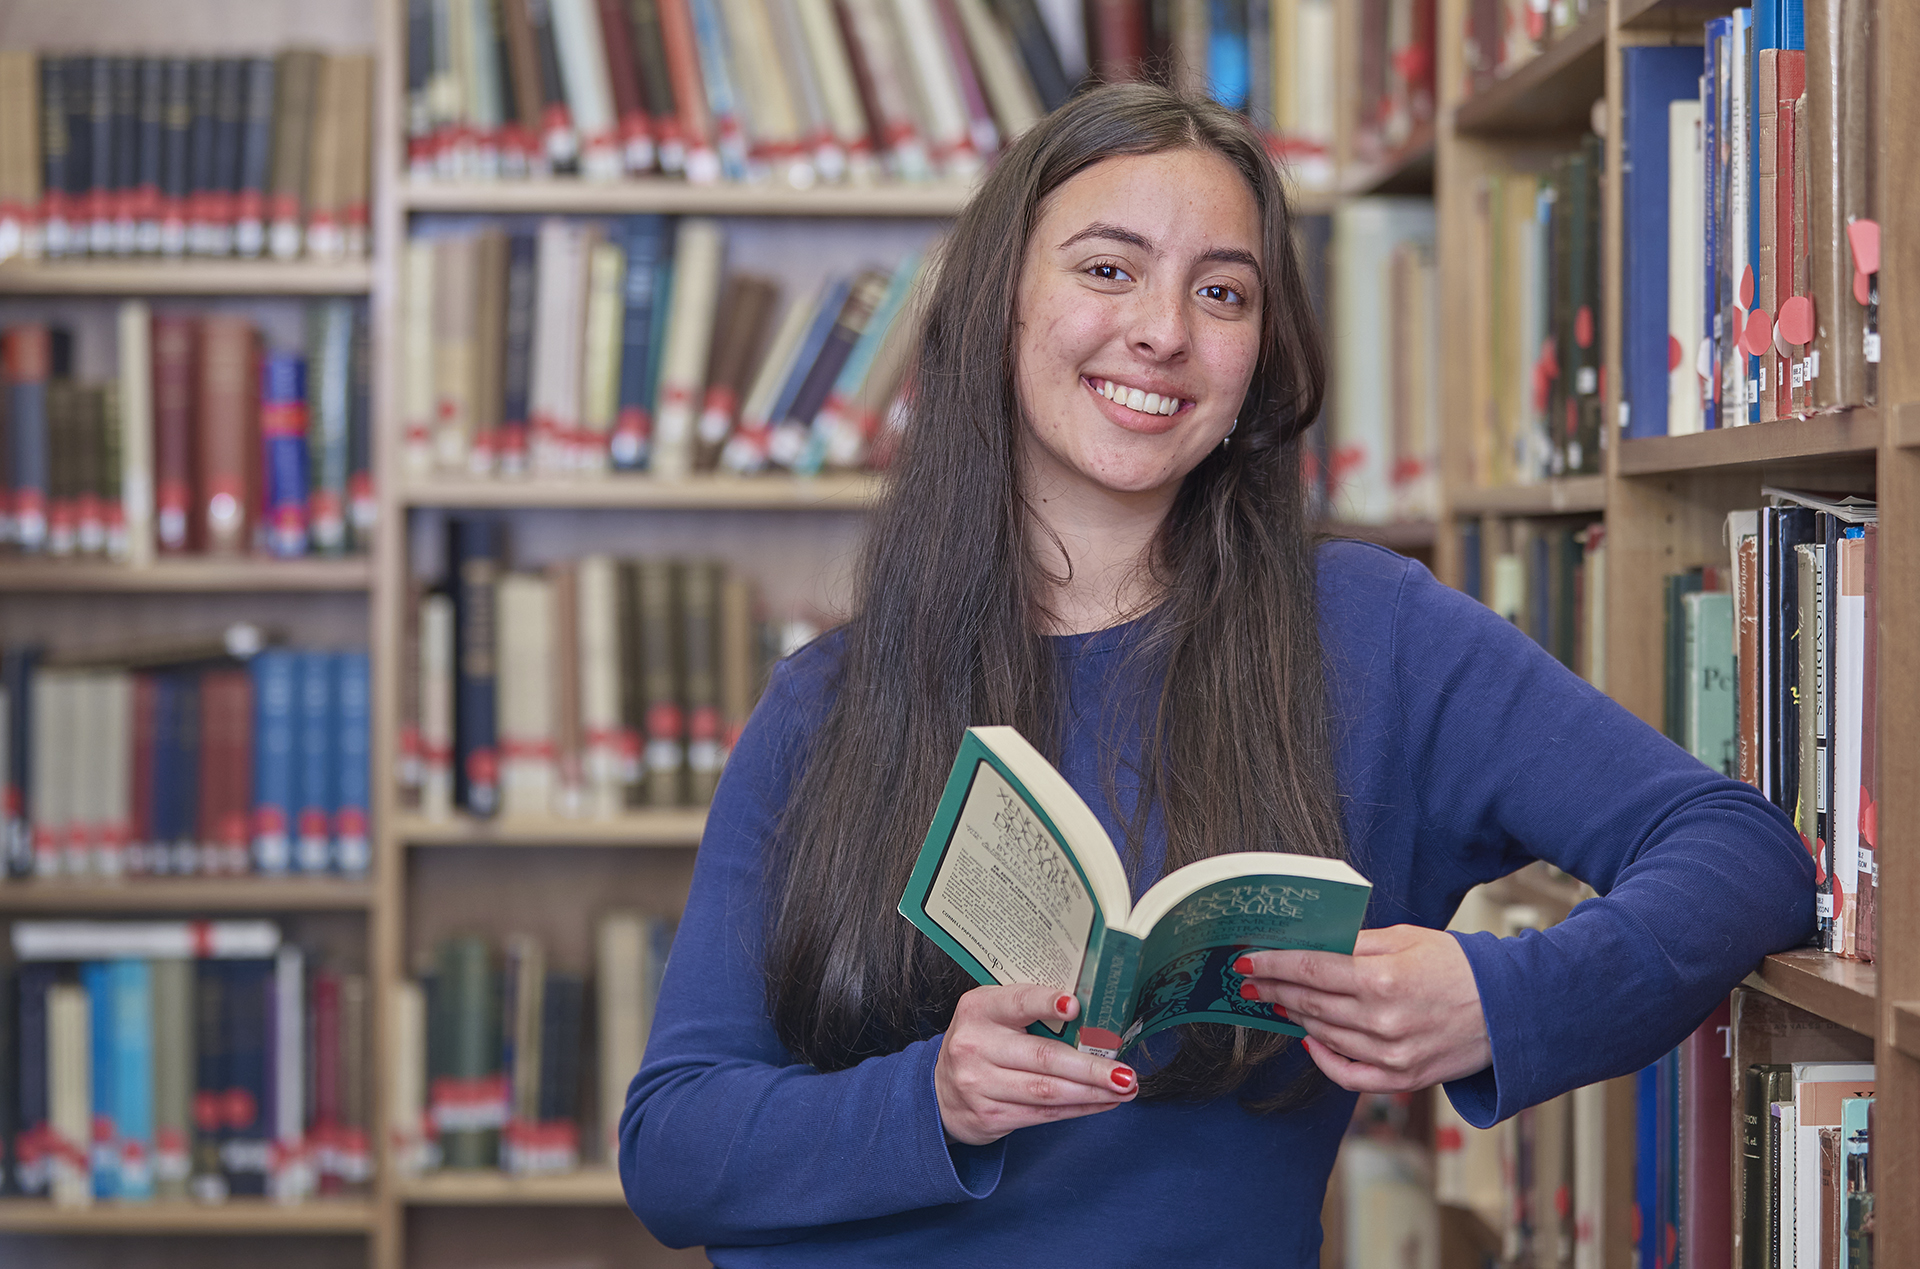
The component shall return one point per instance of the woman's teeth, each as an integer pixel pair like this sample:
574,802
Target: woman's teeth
1135,399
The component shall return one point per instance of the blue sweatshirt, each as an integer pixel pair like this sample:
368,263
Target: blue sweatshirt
1463,752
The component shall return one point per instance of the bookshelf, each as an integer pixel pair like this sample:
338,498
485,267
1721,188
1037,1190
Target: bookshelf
233,1218
186,277
1663,501
185,575
186,895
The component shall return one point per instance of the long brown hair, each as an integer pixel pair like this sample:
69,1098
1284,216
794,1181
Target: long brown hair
945,633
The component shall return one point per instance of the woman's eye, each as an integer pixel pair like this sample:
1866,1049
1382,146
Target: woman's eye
1109,273
1222,293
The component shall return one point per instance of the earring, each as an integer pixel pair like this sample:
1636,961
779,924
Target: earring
1230,427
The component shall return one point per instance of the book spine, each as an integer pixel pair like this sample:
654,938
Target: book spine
1042,60
33,1160
352,757
98,115
314,763
256,148
136,425
70,1051
54,147
437,633
949,133
645,240
103,1158
600,362
525,626
517,354
236,813
620,954
878,60
701,583
475,555
284,213
206,1182
470,1099
738,674
490,263
246,1145
697,126
125,194
559,142
173,1073
141,792
275,695
1867,879
635,126
863,299
745,308
324,1117
697,256
563,683
133,1066
26,350
329,403
583,72
283,439
176,158
289,1169
230,128
658,593
600,684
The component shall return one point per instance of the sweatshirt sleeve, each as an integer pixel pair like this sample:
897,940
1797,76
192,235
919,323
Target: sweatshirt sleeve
1514,758
725,1138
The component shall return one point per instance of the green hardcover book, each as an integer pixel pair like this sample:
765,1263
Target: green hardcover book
1856,1162
661,682
470,1101
1018,883
173,1076
1708,722
1678,586
1755,1165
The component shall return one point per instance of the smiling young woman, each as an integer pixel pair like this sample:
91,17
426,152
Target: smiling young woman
1068,547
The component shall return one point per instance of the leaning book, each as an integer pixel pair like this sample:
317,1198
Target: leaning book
1019,883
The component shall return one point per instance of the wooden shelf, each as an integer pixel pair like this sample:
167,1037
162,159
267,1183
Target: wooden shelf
1553,93
1821,983
236,1216
648,828
587,1187
185,277
1906,1027
204,575
934,199
834,491
189,894
1402,535
1904,420
1564,495
1848,434
1407,170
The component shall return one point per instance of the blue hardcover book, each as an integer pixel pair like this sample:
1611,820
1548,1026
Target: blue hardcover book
1471,564
16,671
283,440
646,243
1653,78
475,551
1227,52
132,1004
27,355
1540,590
246,1146
1646,1166
787,445
313,763
103,1155
1793,25
30,1032
275,685
353,723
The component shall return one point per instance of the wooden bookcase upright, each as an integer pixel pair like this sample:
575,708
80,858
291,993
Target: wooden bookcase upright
1663,501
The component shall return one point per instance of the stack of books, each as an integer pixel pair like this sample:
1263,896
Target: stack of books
114,155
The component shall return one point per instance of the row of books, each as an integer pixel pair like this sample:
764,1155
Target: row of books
1536,319
206,442
1751,279
581,347
1771,677
1501,36
587,689
1394,92
115,155
801,91
191,765
1547,577
493,1067
1382,312
1538,1178
170,1060
1794,1095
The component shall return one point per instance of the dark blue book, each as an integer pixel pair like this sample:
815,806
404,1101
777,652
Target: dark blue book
475,555
186,844
648,248
229,126
352,789
1471,580
206,1179
176,154
1653,78
9,1085
246,1144
126,152
284,462
313,763
31,1173
100,165
1646,1165
202,195
275,674
55,150
29,364
150,166
16,670
516,374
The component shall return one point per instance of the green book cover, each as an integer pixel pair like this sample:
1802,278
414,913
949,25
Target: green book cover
1708,706
1856,1156
1018,882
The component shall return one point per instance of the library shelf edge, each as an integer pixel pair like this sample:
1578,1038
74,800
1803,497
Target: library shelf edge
830,491
1904,424
1395,535
1408,169
189,894
1554,92
664,828
235,1216
586,1187
1905,1032
184,575
1562,495
1832,987
191,276
1851,433
933,199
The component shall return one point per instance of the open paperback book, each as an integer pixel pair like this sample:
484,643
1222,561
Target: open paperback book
1018,882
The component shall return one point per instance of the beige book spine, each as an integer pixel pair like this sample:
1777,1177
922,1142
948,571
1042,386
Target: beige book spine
772,114
839,94
70,1093
529,962
1313,61
525,616
583,75
620,979
739,660
946,112
407,1079
600,364
456,275
489,255
295,80
698,246
1283,32
600,686
324,237
569,777
1016,106
745,451
356,1091
19,152
902,130
559,318
52,721
173,1076
356,156
114,773
416,354
436,707
136,432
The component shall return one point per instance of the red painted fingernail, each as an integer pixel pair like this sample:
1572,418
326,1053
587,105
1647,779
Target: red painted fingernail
1244,965
1063,1004
1122,1077
1249,992
1280,1011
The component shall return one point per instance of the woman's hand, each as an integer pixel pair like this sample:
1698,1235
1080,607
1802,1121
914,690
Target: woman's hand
1401,1013
992,1077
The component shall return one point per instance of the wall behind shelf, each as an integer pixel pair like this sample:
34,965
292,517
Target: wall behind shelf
200,28
84,622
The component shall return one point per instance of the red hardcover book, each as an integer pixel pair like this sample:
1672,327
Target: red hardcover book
1706,1141
1120,39
623,76
1790,82
324,1051
689,90
144,840
174,338
229,434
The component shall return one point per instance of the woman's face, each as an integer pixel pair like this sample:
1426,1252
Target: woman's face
1139,322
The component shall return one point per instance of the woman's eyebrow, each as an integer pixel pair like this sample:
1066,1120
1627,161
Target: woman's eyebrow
1101,229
